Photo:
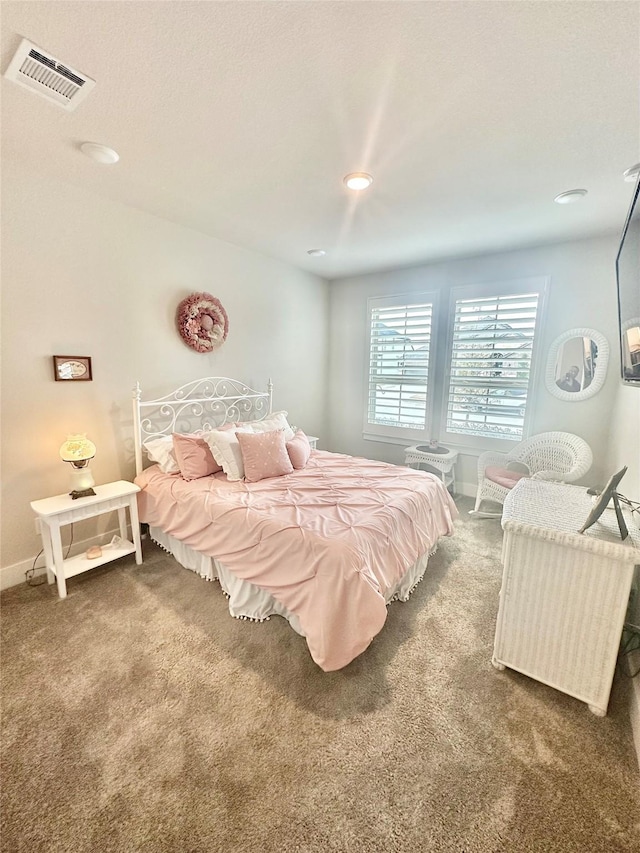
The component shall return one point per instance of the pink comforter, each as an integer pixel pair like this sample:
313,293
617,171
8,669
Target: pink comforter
328,541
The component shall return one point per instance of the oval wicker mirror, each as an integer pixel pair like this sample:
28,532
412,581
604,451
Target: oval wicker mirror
577,364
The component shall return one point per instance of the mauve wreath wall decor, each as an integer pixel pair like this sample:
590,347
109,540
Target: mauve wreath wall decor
202,322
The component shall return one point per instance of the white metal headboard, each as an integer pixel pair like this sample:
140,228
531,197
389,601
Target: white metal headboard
202,404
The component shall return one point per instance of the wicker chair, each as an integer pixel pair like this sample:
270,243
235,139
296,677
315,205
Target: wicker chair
558,456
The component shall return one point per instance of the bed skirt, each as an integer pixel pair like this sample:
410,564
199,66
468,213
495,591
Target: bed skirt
248,601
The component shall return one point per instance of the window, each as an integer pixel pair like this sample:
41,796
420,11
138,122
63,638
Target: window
476,391
490,364
400,338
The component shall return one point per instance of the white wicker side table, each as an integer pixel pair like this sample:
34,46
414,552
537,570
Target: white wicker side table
564,594
441,459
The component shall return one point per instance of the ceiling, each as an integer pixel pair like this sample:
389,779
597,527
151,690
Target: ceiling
239,119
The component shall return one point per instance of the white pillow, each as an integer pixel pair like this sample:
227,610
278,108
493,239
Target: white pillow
276,420
160,450
225,448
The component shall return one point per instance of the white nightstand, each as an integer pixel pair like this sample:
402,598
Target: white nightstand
55,512
440,458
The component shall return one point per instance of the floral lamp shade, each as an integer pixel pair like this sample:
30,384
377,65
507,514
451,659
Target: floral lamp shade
77,449
202,322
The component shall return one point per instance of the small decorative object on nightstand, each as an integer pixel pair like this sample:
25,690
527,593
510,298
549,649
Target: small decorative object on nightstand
55,512
435,458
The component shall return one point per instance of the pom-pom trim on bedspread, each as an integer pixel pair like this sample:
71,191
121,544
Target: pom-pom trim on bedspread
396,597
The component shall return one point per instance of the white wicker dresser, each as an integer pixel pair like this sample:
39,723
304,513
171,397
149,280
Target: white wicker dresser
564,594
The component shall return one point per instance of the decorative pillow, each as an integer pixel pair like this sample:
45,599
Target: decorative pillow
520,467
264,455
226,450
194,456
160,450
299,449
276,420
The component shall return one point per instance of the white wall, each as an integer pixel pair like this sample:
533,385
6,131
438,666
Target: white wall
83,275
581,294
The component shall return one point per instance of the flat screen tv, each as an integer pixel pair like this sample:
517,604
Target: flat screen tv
628,277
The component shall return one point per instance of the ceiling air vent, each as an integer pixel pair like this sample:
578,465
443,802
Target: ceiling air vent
37,70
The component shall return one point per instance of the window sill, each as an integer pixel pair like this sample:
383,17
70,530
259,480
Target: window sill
462,449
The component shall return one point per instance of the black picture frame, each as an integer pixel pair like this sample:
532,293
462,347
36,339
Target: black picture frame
608,494
72,368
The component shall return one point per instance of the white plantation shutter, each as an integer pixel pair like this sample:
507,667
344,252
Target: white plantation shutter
400,335
490,367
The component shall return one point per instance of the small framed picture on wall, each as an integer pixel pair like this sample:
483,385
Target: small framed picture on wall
72,368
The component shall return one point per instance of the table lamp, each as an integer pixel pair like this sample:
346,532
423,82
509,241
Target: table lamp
79,451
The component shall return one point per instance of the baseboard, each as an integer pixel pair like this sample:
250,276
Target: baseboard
468,490
15,574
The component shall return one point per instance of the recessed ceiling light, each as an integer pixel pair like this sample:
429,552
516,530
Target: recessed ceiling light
100,153
632,173
316,253
570,197
357,180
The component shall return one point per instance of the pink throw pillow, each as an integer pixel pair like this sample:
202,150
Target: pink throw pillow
194,457
299,449
264,454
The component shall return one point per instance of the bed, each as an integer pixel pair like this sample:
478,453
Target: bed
327,546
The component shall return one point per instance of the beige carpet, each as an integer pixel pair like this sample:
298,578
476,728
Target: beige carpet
139,716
